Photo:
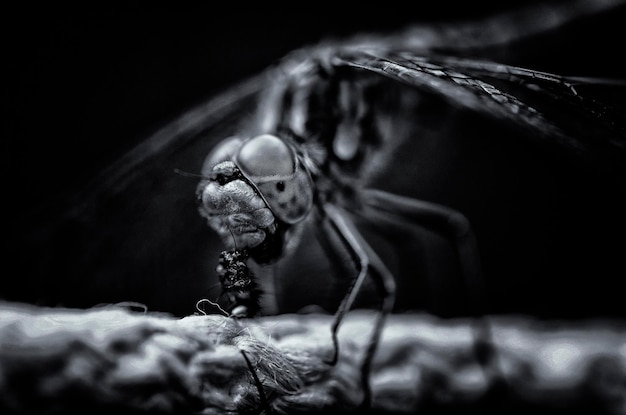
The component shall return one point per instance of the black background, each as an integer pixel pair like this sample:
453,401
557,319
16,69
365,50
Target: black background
85,86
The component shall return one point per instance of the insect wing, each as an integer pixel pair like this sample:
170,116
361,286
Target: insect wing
576,115
136,229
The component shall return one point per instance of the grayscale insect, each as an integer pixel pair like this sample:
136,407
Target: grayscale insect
358,165
328,117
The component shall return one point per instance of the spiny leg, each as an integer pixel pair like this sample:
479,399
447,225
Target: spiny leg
441,219
458,228
385,284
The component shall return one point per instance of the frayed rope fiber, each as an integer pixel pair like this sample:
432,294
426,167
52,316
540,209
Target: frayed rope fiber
56,360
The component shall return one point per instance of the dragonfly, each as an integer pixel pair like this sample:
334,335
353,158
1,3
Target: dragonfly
383,125
329,116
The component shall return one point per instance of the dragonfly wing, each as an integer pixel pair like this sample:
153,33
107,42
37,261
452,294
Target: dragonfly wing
134,232
589,108
575,115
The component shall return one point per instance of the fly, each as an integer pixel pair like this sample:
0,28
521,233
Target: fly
238,284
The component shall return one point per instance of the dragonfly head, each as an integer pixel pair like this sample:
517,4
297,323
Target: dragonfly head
254,190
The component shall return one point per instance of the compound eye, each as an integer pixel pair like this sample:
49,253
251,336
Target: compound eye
266,156
222,152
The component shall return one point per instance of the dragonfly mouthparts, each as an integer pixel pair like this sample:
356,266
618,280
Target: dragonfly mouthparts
234,209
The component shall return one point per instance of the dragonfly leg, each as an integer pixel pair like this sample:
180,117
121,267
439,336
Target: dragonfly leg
448,221
366,259
443,220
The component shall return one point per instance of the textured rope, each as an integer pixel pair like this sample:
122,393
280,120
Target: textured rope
122,361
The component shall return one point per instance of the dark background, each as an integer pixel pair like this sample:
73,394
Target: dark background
85,86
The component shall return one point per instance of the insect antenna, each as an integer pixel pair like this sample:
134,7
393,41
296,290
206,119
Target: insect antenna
257,382
188,174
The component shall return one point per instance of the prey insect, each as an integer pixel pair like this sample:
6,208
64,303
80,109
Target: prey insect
238,283
328,118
